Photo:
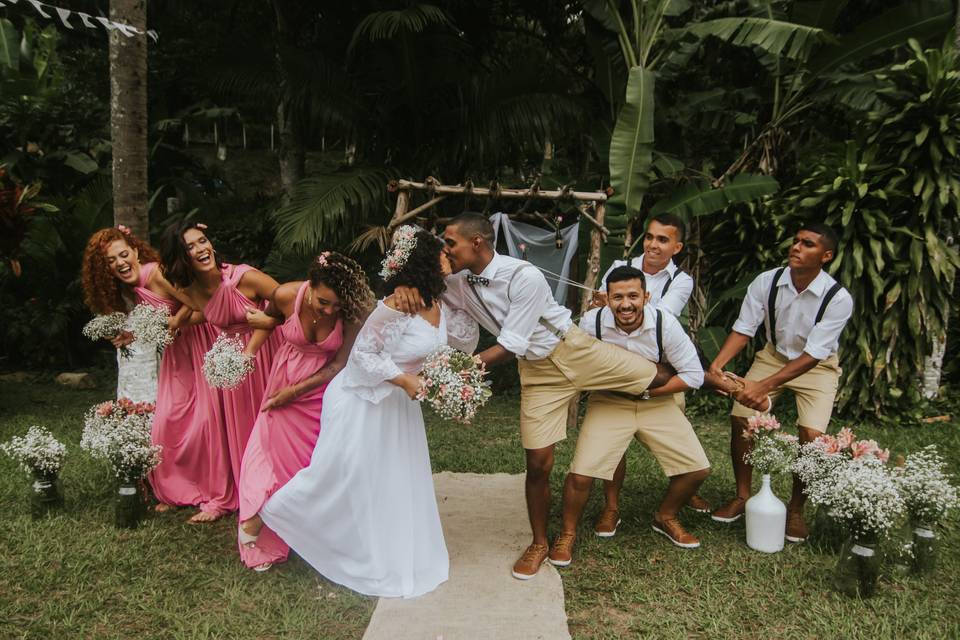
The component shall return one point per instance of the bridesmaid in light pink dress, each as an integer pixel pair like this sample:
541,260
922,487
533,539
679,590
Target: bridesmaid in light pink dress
224,292
195,466
323,317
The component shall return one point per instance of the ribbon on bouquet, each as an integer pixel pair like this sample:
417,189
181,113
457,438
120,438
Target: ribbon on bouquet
85,19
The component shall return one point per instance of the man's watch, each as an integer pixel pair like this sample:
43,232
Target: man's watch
645,395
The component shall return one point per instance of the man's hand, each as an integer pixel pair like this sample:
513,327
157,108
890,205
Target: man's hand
754,396
122,339
260,320
408,300
722,382
599,299
280,398
664,373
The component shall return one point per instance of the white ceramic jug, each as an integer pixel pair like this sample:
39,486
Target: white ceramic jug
766,520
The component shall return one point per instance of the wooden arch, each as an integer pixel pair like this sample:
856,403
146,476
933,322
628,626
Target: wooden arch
585,202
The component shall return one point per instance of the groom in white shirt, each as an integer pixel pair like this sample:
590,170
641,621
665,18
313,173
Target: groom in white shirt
556,359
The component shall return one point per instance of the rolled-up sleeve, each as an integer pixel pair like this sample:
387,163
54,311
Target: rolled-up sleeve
751,311
681,354
824,338
529,297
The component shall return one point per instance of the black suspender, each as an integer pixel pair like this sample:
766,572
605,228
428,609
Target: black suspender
666,287
826,300
598,331
772,304
543,321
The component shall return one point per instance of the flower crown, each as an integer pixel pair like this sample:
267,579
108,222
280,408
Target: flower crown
404,241
322,259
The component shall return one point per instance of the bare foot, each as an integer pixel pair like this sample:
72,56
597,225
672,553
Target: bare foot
162,507
252,526
203,516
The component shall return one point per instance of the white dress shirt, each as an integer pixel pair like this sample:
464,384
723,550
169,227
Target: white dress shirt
796,313
517,312
678,349
681,284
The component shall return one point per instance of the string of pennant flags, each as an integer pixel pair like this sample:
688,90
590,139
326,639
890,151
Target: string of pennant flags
91,22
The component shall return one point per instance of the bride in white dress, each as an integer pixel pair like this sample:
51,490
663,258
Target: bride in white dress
364,512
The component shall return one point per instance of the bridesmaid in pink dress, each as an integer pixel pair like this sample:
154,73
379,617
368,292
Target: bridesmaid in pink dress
323,316
194,470
224,292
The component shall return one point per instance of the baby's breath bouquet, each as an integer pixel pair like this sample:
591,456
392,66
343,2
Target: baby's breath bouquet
118,431
453,384
150,325
106,327
225,365
37,452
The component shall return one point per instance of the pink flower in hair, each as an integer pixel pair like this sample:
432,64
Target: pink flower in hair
124,229
201,226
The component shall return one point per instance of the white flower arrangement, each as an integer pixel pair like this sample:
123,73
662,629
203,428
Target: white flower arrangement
225,365
773,452
150,325
106,327
861,495
925,485
36,452
404,242
119,432
453,384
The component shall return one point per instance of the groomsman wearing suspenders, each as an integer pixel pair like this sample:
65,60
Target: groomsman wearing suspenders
804,311
656,418
556,360
669,288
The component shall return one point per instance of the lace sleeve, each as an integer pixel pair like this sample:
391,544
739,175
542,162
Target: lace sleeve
370,364
462,331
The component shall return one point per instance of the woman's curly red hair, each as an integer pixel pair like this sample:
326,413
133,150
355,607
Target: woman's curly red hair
102,291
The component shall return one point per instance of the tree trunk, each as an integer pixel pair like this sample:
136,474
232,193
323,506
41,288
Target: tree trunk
128,117
292,154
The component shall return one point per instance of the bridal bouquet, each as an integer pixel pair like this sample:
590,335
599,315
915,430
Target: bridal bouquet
226,365
150,325
453,384
925,485
37,452
773,451
118,431
106,327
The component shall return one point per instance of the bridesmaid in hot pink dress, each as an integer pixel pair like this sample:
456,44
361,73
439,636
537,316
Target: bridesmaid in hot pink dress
224,292
195,466
323,317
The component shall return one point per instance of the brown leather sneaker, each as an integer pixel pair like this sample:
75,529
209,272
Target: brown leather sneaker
796,527
679,536
561,552
698,504
606,525
529,563
732,511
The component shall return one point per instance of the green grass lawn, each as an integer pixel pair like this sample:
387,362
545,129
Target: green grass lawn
76,576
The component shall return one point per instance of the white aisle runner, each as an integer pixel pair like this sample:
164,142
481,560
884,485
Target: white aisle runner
486,528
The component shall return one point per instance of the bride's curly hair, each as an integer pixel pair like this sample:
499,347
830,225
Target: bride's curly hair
102,291
421,270
345,278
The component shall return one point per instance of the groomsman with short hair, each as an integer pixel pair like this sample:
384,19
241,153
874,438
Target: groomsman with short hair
656,418
804,311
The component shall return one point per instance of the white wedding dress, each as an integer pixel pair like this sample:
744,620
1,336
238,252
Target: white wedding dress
364,512
138,372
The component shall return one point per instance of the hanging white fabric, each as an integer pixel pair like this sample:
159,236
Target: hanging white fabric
540,249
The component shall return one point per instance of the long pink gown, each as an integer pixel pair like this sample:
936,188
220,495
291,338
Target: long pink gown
226,311
188,421
283,439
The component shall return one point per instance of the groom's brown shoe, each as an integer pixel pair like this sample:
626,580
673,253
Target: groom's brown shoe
529,563
607,523
732,511
561,553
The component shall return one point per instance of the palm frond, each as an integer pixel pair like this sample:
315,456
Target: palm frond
327,209
698,199
776,37
385,25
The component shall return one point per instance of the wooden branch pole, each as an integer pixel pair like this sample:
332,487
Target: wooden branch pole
593,260
403,201
413,213
442,189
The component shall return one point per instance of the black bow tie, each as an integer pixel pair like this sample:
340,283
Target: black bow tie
473,279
